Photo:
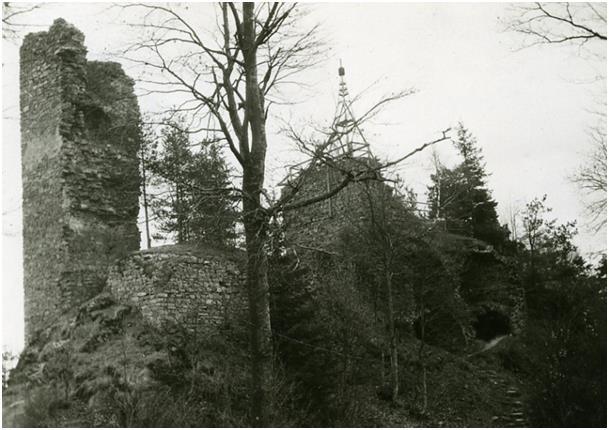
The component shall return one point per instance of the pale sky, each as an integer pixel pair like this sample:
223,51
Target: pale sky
529,108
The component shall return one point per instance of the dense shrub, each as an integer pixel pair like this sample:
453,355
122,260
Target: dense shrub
323,341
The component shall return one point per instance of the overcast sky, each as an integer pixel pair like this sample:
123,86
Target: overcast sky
528,108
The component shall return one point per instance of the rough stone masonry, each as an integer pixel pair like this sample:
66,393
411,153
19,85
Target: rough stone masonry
79,139
318,225
200,289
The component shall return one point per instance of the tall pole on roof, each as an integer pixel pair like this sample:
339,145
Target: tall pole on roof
342,87
343,119
347,137
351,138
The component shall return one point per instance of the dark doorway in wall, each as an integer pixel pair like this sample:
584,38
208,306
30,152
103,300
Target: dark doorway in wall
490,324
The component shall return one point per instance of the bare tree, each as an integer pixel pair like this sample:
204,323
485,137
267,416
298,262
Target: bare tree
228,78
228,75
533,222
579,24
145,144
381,234
592,176
560,23
11,14
513,223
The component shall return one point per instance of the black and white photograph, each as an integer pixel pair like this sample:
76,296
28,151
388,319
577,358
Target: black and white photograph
291,215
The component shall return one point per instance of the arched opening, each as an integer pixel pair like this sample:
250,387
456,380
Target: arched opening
491,324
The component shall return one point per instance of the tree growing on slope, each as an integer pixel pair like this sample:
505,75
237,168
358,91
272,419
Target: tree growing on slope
400,263
459,196
552,258
591,178
565,338
381,238
230,79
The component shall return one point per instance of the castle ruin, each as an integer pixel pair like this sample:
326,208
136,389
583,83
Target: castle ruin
79,143
80,137
81,184
318,224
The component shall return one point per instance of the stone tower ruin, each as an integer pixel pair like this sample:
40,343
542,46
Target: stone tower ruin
79,142
318,225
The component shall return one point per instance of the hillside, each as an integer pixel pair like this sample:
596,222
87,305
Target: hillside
102,365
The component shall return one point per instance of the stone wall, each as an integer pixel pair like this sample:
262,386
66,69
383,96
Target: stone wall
318,225
200,289
79,139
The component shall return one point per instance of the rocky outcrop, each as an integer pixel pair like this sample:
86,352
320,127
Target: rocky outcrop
98,349
103,365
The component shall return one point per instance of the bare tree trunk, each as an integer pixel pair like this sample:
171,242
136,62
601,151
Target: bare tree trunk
255,223
145,197
380,228
421,359
259,314
424,388
180,214
228,88
393,344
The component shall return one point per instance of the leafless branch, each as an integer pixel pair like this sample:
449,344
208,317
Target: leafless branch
11,12
356,170
591,178
559,23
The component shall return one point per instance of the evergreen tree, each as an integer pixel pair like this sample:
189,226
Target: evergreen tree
460,197
193,197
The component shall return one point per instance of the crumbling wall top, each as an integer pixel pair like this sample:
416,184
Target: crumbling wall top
80,138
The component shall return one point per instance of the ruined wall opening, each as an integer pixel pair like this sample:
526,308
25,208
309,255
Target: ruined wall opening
491,324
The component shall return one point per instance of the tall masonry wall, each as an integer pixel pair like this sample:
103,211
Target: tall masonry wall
318,225
79,144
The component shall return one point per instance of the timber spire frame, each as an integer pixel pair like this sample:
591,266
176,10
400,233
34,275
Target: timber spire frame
347,139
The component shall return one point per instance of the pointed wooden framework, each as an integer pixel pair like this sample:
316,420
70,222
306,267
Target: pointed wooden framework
346,137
